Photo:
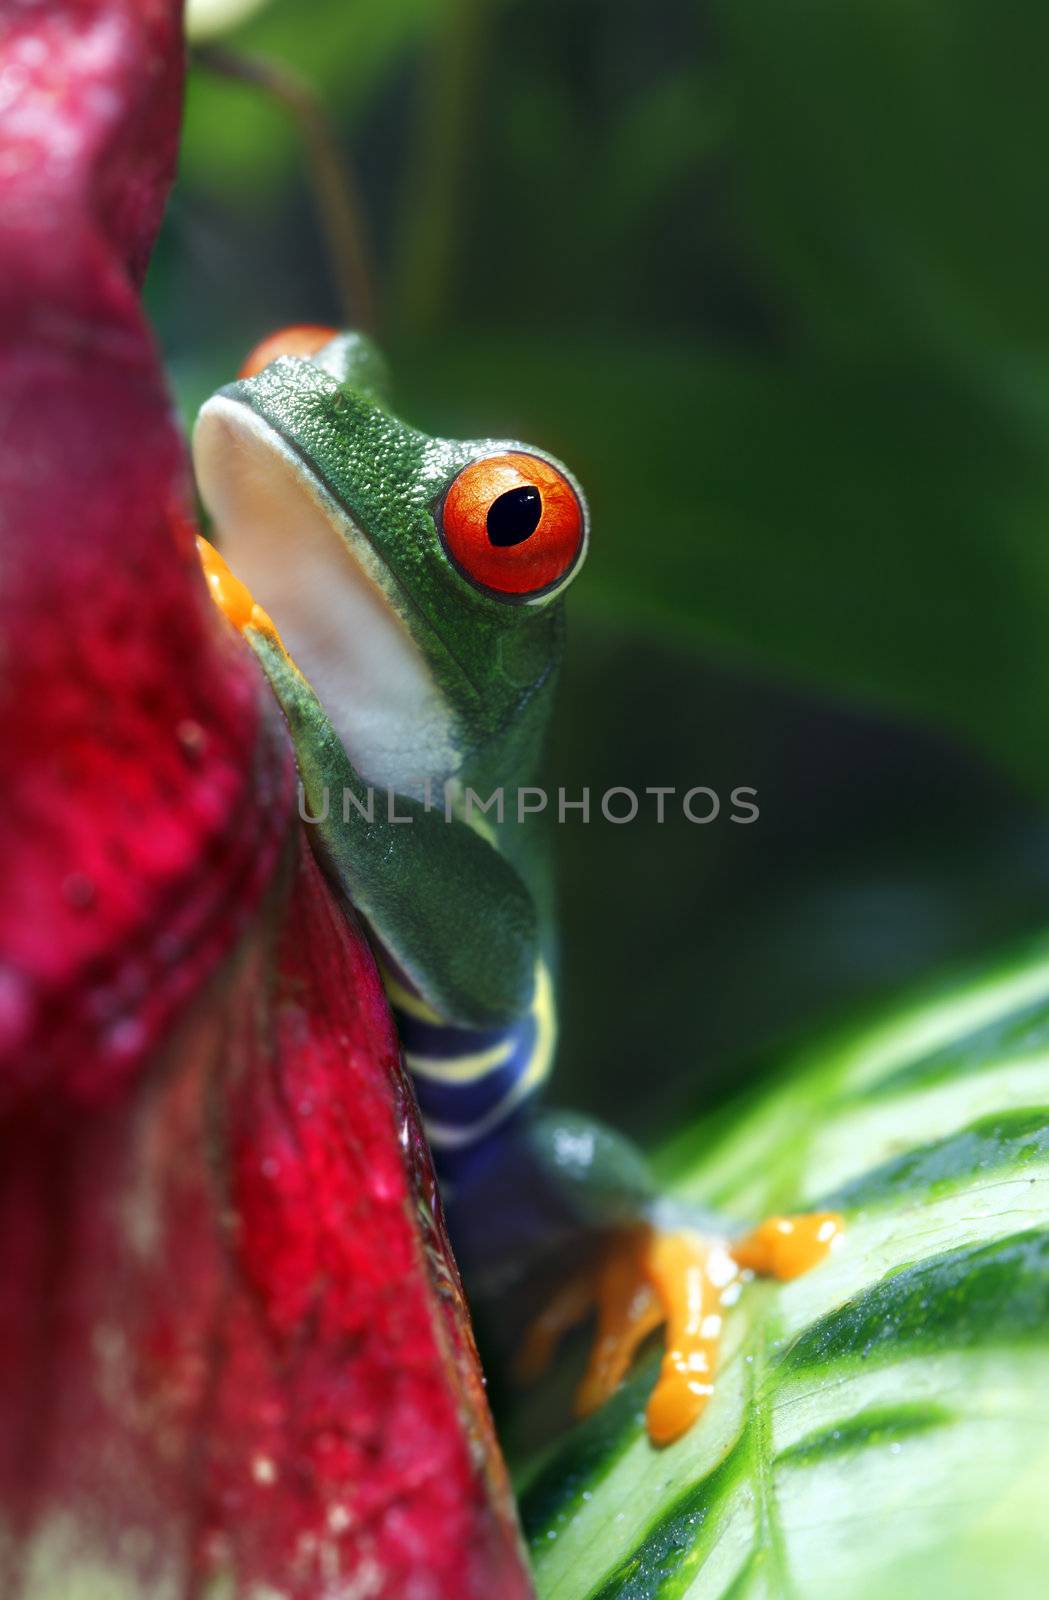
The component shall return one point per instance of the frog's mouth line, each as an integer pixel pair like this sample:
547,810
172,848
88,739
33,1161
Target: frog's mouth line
315,572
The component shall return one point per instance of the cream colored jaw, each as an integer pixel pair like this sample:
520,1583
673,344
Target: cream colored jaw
313,570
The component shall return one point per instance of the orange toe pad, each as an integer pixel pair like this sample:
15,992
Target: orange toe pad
645,1279
233,598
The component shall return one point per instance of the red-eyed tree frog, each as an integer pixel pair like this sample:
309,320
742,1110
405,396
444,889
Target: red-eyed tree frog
404,596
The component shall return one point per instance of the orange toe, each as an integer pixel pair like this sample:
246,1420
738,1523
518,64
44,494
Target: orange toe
233,598
645,1279
690,1275
628,1310
571,1305
785,1247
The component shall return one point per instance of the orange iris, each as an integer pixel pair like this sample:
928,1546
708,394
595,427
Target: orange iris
302,339
513,524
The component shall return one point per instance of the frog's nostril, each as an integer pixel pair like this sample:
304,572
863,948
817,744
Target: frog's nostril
514,516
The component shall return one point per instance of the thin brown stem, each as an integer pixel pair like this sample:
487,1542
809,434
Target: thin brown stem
334,183
431,211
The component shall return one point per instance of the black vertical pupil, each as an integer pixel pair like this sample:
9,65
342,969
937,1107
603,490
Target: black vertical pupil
514,517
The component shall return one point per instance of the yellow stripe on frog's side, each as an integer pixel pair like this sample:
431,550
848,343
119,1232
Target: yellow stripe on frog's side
460,1069
448,1136
413,1005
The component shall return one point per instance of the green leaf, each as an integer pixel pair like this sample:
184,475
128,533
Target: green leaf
878,1426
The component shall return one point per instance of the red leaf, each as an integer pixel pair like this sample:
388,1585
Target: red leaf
91,106
355,1364
148,783
232,1339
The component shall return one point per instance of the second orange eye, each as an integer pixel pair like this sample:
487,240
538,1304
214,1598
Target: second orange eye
302,339
513,524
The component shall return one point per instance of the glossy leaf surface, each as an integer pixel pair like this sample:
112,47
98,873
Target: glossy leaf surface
879,1425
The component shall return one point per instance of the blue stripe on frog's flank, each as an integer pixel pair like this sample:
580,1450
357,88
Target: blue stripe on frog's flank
469,1081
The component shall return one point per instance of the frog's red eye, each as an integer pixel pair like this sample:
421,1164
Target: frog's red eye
513,524
302,339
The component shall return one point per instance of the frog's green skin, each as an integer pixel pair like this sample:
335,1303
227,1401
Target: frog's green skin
396,672
325,504
396,669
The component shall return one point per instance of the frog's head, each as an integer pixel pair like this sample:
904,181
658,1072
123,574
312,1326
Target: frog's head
415,581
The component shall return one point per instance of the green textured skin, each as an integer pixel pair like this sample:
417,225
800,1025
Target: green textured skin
465,908
442,871
466,915
878,1425
495,662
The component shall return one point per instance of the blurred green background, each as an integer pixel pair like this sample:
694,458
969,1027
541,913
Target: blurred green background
773,277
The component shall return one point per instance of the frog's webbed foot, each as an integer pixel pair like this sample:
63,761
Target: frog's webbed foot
646,1278
642,1280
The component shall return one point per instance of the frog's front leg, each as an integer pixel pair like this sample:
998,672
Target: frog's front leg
517,1179
656,1264
648,1277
